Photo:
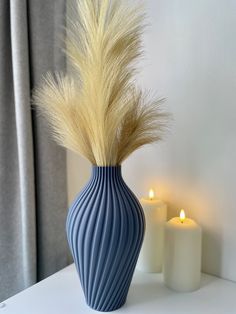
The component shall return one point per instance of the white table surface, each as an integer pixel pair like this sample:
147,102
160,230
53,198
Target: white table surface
62,294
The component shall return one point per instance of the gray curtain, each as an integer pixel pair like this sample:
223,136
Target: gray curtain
33,195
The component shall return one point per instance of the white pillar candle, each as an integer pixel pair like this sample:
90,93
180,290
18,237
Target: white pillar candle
182,254
151,255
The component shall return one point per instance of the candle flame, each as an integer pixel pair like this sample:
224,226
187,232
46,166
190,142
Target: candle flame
182,215
151,194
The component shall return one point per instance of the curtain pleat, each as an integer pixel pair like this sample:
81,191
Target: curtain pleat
46,20
24,137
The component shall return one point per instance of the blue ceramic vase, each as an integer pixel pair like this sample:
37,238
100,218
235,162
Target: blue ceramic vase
105,229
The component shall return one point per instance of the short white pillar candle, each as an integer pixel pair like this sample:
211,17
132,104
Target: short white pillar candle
182,254
151,255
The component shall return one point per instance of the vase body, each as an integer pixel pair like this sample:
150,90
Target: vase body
105,229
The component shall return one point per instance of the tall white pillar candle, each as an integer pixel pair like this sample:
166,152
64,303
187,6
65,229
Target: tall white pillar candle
151,255
182,254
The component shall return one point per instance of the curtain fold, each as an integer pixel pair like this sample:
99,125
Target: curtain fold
33,194
24,137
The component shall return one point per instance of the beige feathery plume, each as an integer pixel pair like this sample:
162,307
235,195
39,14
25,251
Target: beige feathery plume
99,113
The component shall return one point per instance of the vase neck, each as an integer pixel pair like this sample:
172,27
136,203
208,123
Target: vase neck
106,170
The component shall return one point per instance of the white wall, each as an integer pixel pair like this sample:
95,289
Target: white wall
191,59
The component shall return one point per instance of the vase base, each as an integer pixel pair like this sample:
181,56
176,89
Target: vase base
106,309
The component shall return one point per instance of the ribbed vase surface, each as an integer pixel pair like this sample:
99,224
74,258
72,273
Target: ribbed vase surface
105,229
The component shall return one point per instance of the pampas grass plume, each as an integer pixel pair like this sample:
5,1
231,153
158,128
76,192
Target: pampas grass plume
98,112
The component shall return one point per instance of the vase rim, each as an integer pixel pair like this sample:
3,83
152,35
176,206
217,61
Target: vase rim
116,166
